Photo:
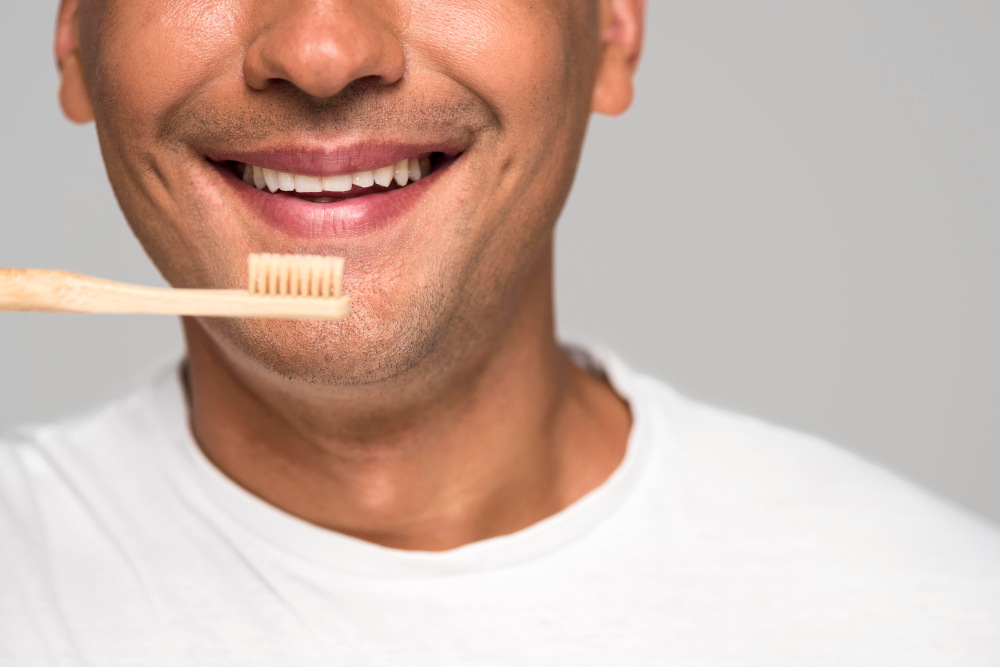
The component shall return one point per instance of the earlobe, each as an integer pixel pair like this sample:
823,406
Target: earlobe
74,96
621,24
613,89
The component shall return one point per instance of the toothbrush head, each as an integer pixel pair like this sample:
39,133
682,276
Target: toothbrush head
313,276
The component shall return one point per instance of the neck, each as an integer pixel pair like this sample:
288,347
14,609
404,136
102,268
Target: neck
511,437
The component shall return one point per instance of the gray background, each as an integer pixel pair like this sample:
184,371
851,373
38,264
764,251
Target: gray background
798,220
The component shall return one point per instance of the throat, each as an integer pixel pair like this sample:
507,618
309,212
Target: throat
531,435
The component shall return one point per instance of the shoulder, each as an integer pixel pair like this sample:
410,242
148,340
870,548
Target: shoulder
812,526
742,460
786,501
50,471
822,489
74,496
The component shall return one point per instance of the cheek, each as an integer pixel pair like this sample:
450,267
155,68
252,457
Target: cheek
154,54
143,59
532,64
516,55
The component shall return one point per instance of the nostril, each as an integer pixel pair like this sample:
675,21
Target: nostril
322,55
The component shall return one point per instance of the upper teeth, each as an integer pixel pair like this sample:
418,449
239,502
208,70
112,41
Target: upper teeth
404,171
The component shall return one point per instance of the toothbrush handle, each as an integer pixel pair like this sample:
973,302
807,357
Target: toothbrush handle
66,292
52,291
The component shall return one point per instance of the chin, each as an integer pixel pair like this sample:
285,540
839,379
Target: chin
360,350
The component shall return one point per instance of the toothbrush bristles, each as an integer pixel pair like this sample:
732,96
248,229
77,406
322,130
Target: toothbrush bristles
316,276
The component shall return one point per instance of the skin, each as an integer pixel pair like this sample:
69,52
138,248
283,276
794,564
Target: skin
442,411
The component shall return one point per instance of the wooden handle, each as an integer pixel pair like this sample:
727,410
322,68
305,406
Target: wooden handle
66,292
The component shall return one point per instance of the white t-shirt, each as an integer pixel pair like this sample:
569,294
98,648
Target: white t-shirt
719,540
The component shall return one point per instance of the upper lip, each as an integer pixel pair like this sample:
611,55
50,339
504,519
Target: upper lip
314,159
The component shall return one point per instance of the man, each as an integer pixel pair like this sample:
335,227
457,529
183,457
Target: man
433,480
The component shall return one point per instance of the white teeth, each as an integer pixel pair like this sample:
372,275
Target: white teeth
270,179
341,183
384,175
364,179
308,184
402,172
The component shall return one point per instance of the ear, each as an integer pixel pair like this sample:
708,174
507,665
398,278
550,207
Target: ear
621,42
74,96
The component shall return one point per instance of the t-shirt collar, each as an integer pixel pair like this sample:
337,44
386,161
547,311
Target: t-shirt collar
289,536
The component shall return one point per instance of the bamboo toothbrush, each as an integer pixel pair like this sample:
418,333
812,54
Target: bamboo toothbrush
299,287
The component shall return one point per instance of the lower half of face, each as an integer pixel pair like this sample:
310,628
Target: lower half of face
440,189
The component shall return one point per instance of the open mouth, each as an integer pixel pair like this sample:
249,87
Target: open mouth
338,193
340,187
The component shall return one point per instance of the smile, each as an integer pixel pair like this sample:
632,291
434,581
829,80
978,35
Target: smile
327,189
335,194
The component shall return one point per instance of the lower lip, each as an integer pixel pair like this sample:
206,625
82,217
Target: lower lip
358,216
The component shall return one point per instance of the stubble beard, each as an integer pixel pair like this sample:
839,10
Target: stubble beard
367,348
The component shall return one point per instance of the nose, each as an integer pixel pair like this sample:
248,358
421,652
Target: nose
322,46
